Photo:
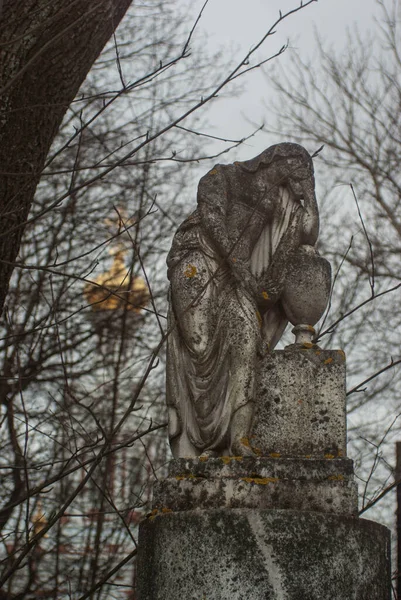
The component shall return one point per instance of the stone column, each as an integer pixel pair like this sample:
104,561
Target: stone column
280,526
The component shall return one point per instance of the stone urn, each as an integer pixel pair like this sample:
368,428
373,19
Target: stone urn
306,289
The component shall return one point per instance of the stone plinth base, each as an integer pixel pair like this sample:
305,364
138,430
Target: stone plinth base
320,485
300,403
248,554
277,526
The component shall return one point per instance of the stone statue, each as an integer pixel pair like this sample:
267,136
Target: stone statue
241,266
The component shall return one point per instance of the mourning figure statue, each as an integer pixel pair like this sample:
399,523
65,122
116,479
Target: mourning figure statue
241,266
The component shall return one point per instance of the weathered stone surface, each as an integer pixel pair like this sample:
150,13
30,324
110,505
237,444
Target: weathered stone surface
243,466
262,555
300,404
241,266
307,287
236,482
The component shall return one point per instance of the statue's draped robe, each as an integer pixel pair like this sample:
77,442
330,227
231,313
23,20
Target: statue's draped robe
201,385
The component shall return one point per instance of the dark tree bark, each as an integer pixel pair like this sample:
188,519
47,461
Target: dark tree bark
46,50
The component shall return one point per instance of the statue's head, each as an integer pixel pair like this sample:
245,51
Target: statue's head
285,164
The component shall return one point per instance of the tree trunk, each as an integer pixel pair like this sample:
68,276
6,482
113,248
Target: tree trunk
46,50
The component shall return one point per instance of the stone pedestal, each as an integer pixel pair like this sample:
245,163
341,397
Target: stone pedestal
240,482
280,526
250,554
301,403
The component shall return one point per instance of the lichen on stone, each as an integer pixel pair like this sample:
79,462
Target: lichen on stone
190,271
227,459
260,480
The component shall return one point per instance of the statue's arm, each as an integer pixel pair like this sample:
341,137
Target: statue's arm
272,280
310,218
301,181
303,230
213,198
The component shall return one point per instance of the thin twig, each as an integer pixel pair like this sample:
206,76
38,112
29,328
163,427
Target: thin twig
332,288
391,365
331,328
372,259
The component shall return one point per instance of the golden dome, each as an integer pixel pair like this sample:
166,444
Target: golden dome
116,288
38,520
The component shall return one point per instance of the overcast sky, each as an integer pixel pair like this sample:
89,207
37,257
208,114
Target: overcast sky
239,24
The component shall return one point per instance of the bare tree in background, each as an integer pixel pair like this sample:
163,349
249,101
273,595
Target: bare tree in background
46,51
350,103
81,383
84,311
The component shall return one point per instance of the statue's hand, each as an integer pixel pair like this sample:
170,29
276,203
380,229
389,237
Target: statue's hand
310,217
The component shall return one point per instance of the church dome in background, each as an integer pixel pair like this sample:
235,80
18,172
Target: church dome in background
117,288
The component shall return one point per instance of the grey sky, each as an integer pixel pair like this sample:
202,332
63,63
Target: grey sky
239,24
